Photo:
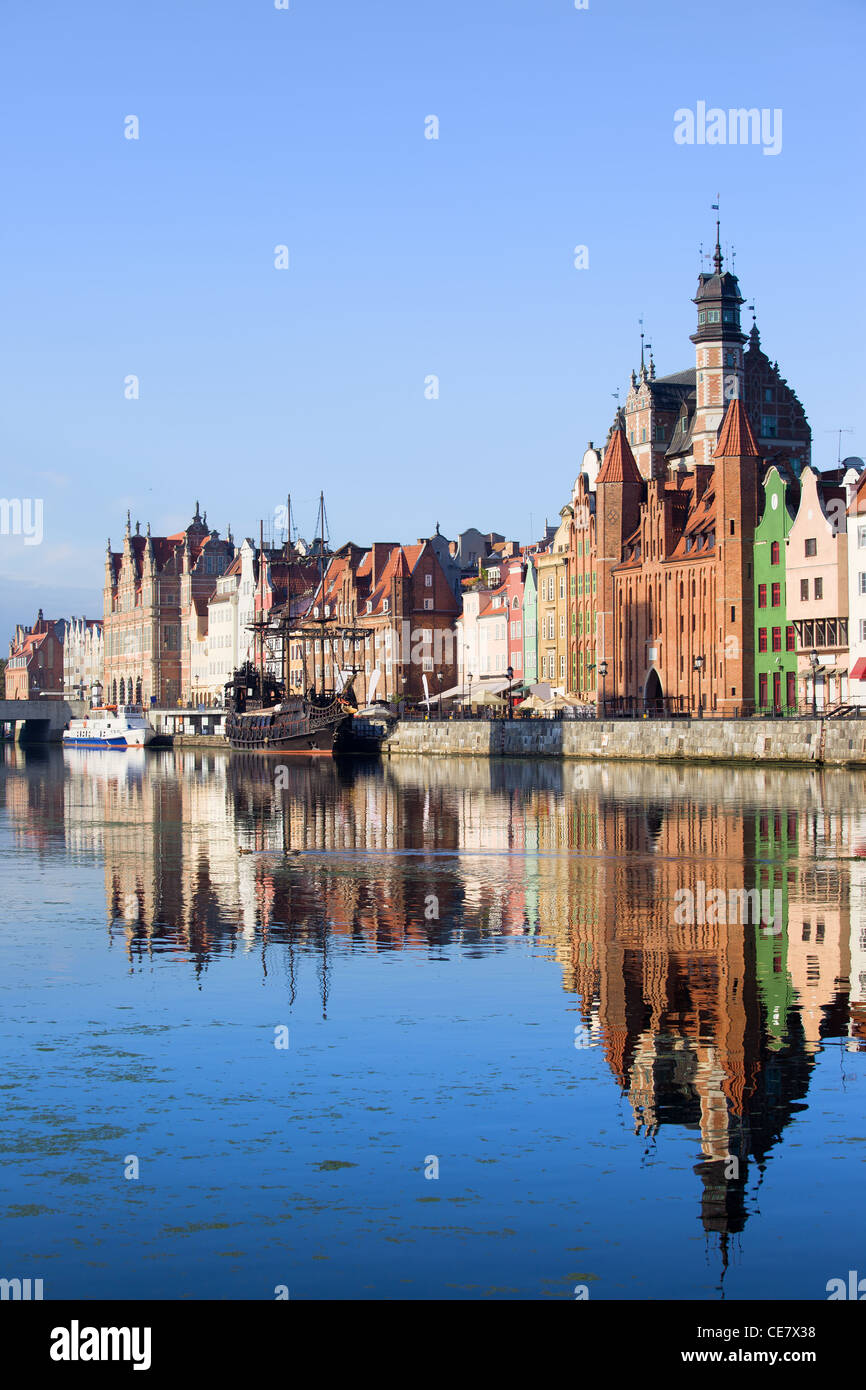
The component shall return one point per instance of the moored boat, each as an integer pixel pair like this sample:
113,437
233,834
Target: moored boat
110,726
307,724
364,733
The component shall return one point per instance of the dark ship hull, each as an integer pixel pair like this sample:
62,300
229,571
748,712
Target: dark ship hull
363,735
308,730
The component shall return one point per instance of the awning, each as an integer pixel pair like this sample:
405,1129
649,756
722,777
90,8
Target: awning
858,670
495,685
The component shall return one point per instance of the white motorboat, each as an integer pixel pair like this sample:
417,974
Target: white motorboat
110,726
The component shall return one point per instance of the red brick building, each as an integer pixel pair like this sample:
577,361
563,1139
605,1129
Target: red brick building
672,422
683,594
401,596
35,665
152,586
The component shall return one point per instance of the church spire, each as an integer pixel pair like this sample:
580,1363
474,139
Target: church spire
717,256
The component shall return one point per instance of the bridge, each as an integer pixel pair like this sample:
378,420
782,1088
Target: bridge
40,721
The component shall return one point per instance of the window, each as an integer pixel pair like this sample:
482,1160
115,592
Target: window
428,605
777,639
774,553
428,581
768,426
762,639
804,591
714,316
861,581
768,395
702,316
863,629
777,595
562,668
790,639
762,595
819,588
811,546
861,536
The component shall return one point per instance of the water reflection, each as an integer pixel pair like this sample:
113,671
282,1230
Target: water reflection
710,1025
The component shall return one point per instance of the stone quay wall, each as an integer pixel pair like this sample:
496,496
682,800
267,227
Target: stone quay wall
826,742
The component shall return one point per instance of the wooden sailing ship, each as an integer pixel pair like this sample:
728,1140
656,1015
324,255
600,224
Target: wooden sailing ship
263,713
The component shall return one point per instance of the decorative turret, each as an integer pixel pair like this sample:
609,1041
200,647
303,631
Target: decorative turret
718,300
149,557
718,343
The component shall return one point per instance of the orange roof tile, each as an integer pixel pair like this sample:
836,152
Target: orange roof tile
736,439
619,465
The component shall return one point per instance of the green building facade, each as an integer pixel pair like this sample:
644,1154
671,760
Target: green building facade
775,639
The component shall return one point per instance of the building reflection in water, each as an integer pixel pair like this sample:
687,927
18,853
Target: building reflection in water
707,1025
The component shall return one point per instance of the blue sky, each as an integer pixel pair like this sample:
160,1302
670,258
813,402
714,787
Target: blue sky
408,257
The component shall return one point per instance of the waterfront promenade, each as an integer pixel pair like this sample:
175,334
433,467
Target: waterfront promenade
803,741
807,741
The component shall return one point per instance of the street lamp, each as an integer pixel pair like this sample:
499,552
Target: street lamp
510,674
470,693
602,671
814,663
699,666
439,705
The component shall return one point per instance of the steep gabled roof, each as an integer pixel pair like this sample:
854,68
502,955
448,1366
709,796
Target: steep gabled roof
619,465
736,439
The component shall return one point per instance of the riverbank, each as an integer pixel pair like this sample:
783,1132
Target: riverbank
824,742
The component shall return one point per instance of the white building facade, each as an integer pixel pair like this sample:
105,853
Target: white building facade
83,657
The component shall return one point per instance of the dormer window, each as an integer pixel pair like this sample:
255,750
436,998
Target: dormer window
385,605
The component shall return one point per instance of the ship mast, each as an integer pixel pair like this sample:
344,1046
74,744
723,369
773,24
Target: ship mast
261,614
322,580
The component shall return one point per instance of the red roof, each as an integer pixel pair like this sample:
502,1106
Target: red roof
736,439
858,670
619,465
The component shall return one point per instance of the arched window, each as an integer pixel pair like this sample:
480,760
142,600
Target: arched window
122,692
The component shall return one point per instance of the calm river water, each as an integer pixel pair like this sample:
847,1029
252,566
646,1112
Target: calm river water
432,1029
